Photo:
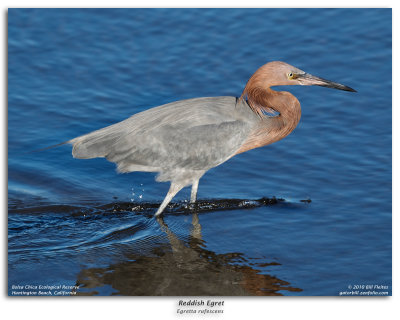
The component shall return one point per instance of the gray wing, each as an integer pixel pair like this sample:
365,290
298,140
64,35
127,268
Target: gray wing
194,134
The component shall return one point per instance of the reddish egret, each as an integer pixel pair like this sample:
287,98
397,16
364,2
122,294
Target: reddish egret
183,139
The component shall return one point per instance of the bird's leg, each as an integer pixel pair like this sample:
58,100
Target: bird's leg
173,190
193,194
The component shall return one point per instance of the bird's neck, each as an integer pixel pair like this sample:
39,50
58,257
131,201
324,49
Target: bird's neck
271,129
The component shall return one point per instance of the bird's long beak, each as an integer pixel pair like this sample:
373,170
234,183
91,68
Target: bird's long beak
310,80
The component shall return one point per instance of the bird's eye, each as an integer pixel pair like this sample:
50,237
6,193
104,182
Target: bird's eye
290,75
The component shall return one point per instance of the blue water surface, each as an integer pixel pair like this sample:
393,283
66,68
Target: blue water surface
79,223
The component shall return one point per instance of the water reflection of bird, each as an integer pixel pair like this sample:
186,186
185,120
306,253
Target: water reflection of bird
181,266
182,140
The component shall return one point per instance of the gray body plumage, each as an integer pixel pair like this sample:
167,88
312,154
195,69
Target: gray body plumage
179,140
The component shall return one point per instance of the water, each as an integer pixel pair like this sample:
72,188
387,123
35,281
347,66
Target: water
78,223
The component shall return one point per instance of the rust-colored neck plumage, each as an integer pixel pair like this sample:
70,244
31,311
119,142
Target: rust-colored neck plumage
262,100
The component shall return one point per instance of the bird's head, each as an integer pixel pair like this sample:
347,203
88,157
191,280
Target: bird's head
277,73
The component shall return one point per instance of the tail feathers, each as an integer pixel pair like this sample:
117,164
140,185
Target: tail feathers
88,148
95,144
84,147
50,147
